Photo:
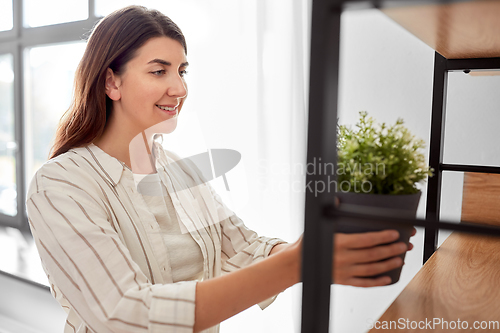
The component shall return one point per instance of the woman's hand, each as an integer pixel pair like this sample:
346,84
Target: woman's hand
359,256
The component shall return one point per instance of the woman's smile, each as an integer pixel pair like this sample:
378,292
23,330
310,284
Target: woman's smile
169,109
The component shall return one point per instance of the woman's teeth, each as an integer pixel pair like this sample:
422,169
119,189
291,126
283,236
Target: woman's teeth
166,108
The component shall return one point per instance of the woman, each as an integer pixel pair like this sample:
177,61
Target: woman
167,256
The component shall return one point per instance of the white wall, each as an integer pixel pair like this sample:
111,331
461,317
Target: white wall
388,72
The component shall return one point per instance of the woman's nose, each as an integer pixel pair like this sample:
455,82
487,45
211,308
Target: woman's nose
177,87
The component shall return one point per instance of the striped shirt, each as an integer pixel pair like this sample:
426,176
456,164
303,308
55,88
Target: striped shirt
103,251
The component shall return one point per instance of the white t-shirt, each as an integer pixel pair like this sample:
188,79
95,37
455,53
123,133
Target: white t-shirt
186,259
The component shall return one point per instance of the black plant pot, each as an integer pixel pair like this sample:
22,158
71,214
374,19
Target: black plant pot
379,204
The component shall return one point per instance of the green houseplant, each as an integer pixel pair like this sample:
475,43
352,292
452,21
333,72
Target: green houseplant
380,159
380,170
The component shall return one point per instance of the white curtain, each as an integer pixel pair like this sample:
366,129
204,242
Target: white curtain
248,82
248,88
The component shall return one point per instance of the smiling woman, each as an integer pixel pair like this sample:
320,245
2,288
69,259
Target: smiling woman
117,258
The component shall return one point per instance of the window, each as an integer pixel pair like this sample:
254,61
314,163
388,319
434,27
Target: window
8,191
48,81
38,57
39,13
6,15
37,63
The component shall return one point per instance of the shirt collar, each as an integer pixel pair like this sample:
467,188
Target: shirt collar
110,166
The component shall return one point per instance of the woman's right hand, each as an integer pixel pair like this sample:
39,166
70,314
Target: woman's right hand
359,256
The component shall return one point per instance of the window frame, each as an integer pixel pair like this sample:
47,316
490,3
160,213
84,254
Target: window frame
16,41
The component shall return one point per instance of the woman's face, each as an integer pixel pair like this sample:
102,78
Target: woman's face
151,90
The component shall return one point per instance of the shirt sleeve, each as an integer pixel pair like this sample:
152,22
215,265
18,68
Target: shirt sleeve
93,269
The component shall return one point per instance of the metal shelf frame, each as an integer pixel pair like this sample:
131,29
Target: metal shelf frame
441,68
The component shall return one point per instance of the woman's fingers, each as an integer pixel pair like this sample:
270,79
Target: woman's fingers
366,239
376,268
372,254
365,282
360,275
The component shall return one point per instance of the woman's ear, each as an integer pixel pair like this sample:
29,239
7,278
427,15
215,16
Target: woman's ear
112,85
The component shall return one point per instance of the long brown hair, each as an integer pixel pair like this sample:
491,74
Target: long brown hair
112,43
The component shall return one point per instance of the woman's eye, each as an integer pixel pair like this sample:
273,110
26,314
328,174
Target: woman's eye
183,73
158,72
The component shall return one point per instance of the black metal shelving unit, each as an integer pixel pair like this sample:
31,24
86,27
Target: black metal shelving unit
320,213
436,147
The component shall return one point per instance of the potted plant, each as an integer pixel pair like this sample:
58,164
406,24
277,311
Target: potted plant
380,171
